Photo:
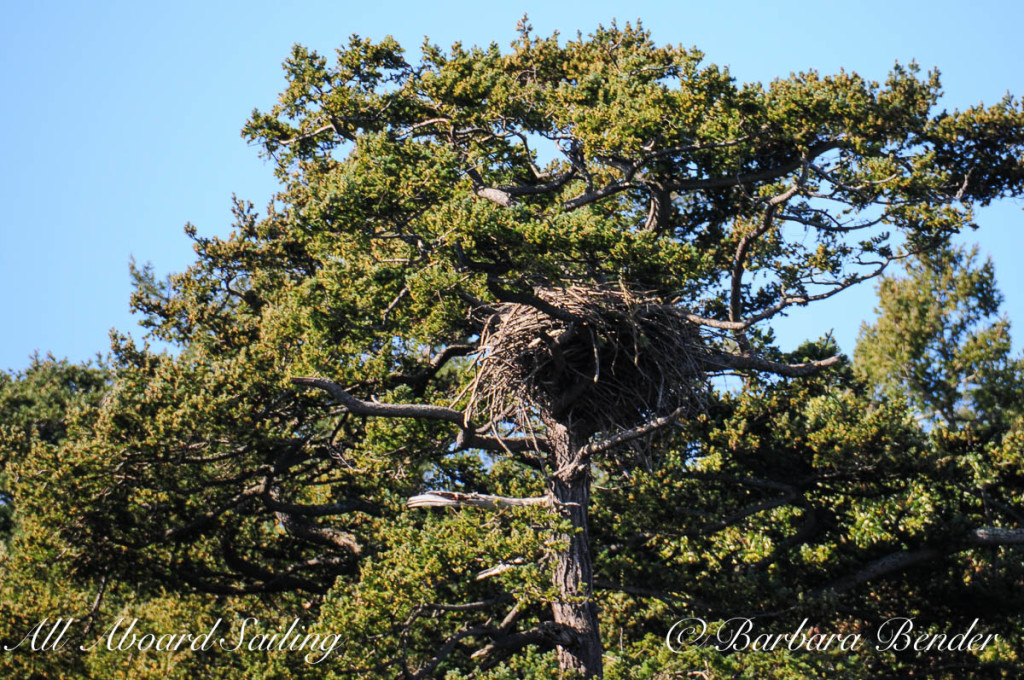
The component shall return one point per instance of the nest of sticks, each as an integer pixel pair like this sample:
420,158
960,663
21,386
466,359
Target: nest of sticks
617,359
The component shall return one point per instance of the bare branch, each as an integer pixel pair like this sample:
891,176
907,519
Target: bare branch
200,582
449,646
394,303
880,567
495,195
209,518
472,606
790,300
420,379
371,408
673,600
738,361
505,196
468,439
718,323
583,456
534,189
986,536
678,150
634,433
836,226
449,353
439,499
499,568
658,211
756,482
851,188
270,580
425,123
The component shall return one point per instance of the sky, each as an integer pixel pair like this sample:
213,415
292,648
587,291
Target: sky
122,124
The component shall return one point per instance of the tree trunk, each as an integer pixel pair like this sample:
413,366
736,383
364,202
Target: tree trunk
574,569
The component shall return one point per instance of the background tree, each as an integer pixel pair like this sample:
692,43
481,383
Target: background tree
511,278
47,575
941,343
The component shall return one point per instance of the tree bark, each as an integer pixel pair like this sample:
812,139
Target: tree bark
574,570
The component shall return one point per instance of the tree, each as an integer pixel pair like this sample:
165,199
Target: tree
940,342
492,281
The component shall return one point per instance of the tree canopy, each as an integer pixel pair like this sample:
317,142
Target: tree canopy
454,395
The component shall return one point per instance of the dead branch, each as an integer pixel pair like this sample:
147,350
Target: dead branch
440,499
739,361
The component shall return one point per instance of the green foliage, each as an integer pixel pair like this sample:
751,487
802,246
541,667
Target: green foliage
419,198
940,342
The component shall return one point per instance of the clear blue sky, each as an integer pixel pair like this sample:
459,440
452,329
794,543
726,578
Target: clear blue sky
122,120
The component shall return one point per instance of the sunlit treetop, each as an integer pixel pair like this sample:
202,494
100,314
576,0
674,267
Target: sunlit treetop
601,160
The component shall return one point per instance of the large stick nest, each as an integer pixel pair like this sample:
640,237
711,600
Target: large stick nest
622,359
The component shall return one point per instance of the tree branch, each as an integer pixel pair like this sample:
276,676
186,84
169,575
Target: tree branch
898,561
634,433
321,535
582,458
986,536
741,514
467,437
269,579
738,361
530,300
505,196
547,634
760,176
419,380
439,499
594,195
372,408
673,600
323,510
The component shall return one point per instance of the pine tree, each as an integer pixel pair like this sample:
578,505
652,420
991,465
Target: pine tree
454,391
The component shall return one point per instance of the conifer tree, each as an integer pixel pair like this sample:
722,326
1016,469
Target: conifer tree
453,391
